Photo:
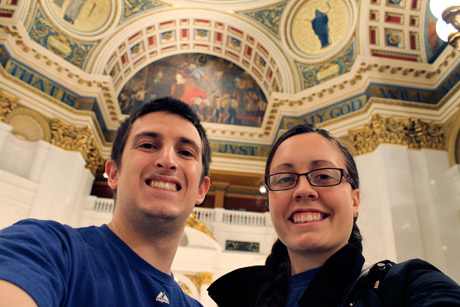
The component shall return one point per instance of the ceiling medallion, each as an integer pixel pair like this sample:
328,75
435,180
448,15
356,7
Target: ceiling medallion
84,17
319,29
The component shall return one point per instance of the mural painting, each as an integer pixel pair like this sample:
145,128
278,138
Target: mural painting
320,25
218,90
82,15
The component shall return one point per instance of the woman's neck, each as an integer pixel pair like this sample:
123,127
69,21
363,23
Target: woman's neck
305,261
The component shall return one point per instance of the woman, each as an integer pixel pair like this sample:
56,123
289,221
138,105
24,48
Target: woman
317,261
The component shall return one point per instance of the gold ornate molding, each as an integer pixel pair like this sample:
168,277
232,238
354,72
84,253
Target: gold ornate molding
77,139
193,223
413,133
203,278
7,104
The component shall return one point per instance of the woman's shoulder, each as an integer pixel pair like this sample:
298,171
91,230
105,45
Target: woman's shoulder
413,282
237,287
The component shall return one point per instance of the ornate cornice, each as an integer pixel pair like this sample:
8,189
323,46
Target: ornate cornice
77,139
193,223
7,104
203,278
411,132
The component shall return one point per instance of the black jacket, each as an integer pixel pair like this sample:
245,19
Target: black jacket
411,283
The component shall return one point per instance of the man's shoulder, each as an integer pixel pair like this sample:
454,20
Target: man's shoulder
45,232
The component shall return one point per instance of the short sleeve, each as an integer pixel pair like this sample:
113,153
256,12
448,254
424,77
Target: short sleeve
33,256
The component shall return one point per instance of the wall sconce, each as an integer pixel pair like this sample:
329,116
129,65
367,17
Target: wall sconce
448,25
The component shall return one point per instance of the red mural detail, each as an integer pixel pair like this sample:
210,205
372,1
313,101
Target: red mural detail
372,36
396,57
392,18
413,42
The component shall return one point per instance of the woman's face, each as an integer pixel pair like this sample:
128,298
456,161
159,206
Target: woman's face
312,220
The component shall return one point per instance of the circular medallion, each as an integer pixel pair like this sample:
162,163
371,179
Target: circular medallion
317,28
82,16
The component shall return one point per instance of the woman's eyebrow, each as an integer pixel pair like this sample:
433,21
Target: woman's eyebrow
321,162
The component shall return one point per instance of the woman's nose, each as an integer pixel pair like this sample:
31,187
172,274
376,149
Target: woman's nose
304,189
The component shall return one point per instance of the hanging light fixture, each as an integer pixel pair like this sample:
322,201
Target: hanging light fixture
448,25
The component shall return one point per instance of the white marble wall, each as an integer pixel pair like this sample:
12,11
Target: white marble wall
410,206
38,180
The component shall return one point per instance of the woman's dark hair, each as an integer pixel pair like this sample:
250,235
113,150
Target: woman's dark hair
274,291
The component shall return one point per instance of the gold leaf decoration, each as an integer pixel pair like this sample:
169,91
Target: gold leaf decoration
193,223
77,139
411,132
7,104
203,278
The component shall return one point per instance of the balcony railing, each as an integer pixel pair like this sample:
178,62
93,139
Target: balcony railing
206,215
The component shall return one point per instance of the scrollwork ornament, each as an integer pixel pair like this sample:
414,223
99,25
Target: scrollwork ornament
193,223
77,139
411,132
7,105
203,278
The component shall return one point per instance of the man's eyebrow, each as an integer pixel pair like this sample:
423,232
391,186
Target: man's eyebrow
149,134
191,142
155,135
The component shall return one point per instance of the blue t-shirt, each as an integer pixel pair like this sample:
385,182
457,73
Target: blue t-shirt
63,266
298,283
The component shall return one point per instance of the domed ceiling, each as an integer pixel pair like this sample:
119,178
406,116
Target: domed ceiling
250,68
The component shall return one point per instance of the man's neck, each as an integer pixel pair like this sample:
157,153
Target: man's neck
158,248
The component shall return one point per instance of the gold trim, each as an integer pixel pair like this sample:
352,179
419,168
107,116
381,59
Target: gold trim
193,223
203,278
8,103
452,128
77,139
412,132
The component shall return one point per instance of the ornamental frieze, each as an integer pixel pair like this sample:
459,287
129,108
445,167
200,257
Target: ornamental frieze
411,132
77,139
7,104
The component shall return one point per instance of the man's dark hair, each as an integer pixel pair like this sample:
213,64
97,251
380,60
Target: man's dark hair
169,105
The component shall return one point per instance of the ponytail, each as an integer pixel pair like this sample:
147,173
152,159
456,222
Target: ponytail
274,290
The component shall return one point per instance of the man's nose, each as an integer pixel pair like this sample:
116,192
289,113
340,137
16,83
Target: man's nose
167,159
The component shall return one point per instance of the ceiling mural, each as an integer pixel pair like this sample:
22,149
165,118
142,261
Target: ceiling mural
269,17
82,15
250,68
218,90
318,26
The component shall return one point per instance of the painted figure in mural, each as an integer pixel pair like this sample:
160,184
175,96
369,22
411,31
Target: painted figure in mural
202,81
314,197
73,10
158,171
59,3
321,27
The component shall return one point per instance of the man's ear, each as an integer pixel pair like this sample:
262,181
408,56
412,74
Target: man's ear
203,189
112,172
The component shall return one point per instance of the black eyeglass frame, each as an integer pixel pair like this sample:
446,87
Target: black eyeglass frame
342,171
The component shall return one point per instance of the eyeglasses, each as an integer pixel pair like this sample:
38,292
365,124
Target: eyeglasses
322,177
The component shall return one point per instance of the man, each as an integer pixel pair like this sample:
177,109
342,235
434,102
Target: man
158,170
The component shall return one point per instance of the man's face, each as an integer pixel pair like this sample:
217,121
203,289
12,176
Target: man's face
160,171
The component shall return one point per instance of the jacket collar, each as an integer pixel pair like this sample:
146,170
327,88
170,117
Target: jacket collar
334,277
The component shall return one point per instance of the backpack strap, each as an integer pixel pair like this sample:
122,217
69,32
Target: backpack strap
369,277
377,273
